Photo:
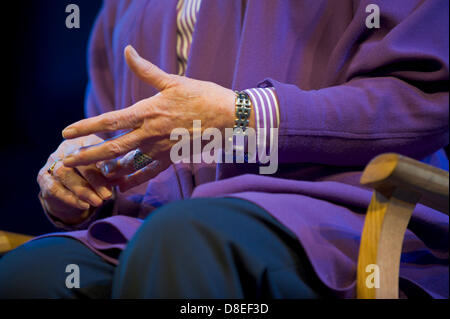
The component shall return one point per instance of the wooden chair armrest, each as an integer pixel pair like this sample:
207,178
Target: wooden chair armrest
387,172
399,184
9,241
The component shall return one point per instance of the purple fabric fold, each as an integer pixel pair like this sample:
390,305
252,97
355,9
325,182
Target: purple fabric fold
107,237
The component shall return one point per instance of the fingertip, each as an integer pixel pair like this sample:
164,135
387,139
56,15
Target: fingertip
104,193
69,161
130,52
69,132
107,168
95,200
83,205
126,51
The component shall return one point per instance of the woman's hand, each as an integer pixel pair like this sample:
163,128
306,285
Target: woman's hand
180,101
69,192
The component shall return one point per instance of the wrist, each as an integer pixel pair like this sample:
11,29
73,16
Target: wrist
229,111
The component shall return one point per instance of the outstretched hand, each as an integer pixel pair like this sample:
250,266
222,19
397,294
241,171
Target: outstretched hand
149,122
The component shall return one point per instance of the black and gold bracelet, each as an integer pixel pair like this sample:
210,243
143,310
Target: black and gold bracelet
243,111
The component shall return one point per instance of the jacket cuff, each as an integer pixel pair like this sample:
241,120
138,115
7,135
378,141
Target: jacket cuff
267,118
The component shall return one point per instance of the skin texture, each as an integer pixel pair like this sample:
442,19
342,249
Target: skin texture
69,193
150,121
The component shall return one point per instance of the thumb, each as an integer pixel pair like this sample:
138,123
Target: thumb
145,70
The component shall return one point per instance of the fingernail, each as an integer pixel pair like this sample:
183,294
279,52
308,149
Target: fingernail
95,200
83,205
105,193
132,51
107,168
68,132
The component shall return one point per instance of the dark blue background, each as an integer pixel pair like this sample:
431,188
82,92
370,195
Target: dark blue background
44,77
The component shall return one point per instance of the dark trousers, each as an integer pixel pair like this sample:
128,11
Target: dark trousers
198,248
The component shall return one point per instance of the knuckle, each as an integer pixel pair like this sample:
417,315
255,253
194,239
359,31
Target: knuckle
53,190
133,116
174,80
110,122
115,149
40,175
59,171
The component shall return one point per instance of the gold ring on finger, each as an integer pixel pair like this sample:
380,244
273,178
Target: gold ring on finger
52,167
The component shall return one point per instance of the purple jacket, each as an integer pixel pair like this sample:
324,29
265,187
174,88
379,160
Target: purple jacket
346,92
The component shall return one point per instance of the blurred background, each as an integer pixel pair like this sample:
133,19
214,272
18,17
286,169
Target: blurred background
44,76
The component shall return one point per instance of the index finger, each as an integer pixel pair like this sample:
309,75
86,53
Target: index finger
128,118
106,150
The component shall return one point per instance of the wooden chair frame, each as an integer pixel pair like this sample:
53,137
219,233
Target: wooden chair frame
399,184
9,241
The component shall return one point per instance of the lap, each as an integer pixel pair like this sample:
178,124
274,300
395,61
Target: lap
233,245
211,247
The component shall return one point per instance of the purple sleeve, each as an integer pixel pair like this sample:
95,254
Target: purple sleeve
392,95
